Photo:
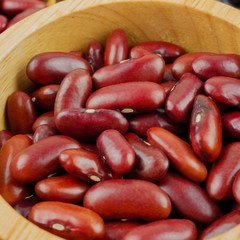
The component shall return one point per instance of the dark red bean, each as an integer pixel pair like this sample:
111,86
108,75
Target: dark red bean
87,124
139,96
44,154
190,200
21,112
236,187
141,123
235,206
43,132
67,220
61,188
221,175
45,96
167,86
206,129
221,225
90,147
95,55
168,75
74,90
225,90
168,51
180,100
52,67
44,119
231,124
3,23
137,52
4,136
10,189
85,165
116,49
170,229
208,66
149,68
78,53
128,199
150,164
118,153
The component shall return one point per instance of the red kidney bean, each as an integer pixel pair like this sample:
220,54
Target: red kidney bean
224,89
167,86
10,189
78,53
95,55
87,124
116,49
150,163
189,200
231,124
67,220
221,175
3,23
44,154
85,165
236,187
180,100
137,52
183,64
179,153
208,66
139,96
206,129
149,68
168,51
43,132
221,225
4,136
115,149
74,90
90,147
117,230
16,6
61,188
44,119
21,112
128,199
169,229
45,96
168,76
52,67
141,123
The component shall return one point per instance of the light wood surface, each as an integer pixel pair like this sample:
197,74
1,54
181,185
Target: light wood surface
197,25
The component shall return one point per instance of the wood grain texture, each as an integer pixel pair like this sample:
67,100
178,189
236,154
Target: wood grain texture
197,25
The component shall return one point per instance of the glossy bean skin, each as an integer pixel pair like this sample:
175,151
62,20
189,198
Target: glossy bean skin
52,67
169,229
168,75
137,52
63,188
116,49
151,163
167,86
183,194
15,6
221,176
10,189
231,124
45,96
21,112
168,51
140,96
149,68
179,153
44,154
44,119
139,124
67,220
78,123
95,55
74,90
221,225
4,136
224,89
3,23
128,199
208,66
236,187
180,100
43,132
85,165
118,153
117,230
206,129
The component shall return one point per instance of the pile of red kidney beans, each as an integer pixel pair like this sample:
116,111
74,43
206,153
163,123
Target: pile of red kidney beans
123,143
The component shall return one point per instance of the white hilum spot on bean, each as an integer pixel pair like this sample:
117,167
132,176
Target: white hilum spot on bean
147,143
124,60
34,99
90,110
95,178
127,110
58,227
198,118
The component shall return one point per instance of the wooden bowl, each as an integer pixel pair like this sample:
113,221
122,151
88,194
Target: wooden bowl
197,25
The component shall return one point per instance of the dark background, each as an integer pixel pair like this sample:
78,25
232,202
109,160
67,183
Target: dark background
235,3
